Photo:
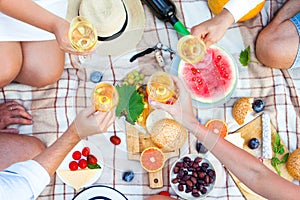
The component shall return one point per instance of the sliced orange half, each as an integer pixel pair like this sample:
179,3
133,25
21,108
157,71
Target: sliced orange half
152,159
217,126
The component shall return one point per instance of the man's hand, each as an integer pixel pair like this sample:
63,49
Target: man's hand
13,113
89,121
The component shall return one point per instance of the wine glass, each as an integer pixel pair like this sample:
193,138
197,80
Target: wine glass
192,50
161,88
82,34
105,97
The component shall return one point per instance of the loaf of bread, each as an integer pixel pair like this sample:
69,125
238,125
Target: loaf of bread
293,164
168,134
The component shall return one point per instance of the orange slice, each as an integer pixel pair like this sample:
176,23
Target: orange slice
217,126
152,159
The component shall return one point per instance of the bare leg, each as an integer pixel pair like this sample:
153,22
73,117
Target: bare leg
11,61
17,148
277,44
43,63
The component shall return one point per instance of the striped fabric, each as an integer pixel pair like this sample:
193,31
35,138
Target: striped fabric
55,106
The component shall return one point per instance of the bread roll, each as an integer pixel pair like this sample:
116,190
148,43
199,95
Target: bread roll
241,108
293,164
168,135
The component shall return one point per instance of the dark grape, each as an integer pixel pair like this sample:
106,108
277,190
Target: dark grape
200,147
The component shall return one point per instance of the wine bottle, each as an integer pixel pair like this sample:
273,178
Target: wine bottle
166,10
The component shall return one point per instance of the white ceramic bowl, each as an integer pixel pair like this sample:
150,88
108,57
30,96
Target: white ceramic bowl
201,176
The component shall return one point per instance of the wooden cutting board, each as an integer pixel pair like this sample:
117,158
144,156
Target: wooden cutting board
254,130
136,143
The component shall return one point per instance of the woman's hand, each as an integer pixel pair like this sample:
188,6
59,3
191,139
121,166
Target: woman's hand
182,110
13,113
212,30
61,30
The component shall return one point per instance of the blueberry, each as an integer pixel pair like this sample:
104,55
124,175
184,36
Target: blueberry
253,143
96,77
128,176
200,147
258,105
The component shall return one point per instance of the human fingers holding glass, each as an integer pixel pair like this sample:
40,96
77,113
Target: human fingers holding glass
182,109
212,30
63,32
89,121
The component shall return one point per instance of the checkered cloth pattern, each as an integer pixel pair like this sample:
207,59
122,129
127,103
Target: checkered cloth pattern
54,107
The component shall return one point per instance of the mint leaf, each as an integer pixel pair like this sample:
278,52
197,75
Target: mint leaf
275,149
245,56
285,157
277,139
278,149
131,103
281,150
275,161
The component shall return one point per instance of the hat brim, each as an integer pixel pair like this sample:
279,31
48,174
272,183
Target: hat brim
132,33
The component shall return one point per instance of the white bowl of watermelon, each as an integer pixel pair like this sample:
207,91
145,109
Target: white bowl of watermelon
210,86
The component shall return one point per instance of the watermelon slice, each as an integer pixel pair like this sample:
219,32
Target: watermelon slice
212,80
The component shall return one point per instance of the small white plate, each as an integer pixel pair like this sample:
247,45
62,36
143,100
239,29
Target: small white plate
189,196
100,192
155,116
93,150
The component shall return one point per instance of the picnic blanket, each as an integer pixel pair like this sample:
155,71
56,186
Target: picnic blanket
55,106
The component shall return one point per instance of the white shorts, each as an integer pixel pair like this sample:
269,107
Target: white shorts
15,30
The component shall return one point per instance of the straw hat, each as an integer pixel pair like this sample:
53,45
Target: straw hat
120,23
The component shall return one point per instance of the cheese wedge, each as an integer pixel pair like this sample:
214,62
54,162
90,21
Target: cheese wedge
77,178
236,139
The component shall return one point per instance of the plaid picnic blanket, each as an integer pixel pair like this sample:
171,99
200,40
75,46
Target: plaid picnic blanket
55,106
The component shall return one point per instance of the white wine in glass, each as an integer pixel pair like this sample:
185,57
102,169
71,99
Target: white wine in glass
105,97
191,49
82,34
161,88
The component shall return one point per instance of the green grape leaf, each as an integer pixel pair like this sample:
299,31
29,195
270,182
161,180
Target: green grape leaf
131,103
245,56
